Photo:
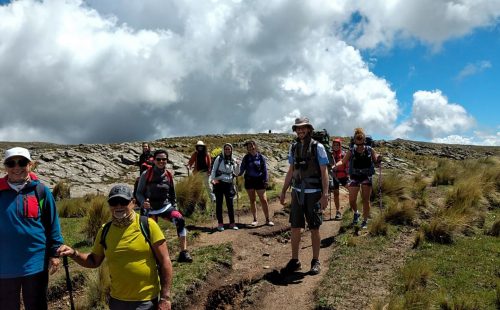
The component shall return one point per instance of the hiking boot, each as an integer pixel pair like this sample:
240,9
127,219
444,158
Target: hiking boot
269,223
355,219
233,226
338,216
184,257
315,267
292,266
254,223
220,227
364,224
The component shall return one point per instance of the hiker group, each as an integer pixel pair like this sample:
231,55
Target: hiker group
134,245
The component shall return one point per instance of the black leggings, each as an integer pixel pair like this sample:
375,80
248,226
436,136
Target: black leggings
221,190
34,288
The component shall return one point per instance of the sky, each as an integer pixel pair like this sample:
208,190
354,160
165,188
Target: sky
103,71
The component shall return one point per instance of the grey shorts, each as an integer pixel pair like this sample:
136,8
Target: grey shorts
299,215
116,304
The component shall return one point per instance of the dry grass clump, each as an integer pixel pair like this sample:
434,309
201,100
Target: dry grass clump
495,229
61,190
378,226
98,214
446,173
190,192
98,289
401,213
392,186
76,207
416,275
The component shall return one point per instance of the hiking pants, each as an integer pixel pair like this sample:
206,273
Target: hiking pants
34,290
221,190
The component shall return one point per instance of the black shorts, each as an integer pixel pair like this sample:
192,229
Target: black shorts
256,183
340,181
300,214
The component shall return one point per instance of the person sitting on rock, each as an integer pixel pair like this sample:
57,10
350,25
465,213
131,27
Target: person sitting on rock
156,195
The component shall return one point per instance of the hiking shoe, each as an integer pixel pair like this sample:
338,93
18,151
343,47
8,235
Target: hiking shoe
233,226
220,227
364,224
315,267
292,266
338,216
184,257
254,223
355,220
269,223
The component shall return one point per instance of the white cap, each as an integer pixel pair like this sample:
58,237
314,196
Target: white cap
200,143
17,151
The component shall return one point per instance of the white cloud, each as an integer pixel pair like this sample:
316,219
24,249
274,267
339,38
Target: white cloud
381,22
434,117
473,69
454,139
104,71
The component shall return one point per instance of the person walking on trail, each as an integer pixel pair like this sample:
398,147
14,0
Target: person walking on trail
140,269
253,165
361,159
224,170
156,195
29,234
146,158
340,176
308,176
201,161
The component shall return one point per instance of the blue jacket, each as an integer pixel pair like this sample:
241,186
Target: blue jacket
254,166
29,233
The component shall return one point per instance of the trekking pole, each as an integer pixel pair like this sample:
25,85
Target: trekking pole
330,193
380,185
237,200
68,282
187,167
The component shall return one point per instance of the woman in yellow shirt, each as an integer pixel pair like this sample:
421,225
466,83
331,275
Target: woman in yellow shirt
135,282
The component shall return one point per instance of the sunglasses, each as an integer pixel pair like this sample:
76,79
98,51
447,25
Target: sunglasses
11,163
118,201
160,159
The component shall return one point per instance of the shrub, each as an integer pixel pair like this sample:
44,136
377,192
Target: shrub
98,214
392,186
74,207
439,230
418,190
190,192
61,190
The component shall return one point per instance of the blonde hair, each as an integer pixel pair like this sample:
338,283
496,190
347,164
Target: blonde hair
359,132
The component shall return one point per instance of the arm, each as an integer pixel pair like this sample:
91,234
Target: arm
88,260
376,158
52,227
265,175
243,166
166,274
191,160
324,185
286,184
139,193
211,178
171,193
343,160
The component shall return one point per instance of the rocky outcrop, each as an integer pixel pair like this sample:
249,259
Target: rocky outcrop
94,168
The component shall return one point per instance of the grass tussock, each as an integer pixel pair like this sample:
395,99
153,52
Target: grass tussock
190,192
98,289
419,187
97,215
378,226
495,229
401,213
61,190
416,275
74,207
446,173
392,186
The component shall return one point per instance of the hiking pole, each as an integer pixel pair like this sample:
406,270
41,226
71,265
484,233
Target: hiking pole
237,200
330,193
68,282
187,167
380,185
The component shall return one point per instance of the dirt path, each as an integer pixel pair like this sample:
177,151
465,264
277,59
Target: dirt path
259,253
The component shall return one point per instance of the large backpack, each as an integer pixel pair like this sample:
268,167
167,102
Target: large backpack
323,137
368,150
368,142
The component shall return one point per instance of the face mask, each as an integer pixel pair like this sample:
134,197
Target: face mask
122,218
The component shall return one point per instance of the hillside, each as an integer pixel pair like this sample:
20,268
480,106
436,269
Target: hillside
92,168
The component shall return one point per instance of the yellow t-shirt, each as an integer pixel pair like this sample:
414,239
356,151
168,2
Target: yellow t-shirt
132,266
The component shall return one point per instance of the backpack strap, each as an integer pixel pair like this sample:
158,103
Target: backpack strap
144,225
104,233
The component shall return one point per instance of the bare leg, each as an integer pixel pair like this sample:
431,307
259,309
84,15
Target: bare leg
251,197
263,203
353,196
316,242
366,190
295,242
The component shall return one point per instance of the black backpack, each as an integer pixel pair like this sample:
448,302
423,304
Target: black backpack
323,137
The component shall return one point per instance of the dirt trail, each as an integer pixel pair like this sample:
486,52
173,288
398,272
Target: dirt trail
259,253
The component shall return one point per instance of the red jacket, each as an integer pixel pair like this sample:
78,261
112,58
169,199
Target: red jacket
341,171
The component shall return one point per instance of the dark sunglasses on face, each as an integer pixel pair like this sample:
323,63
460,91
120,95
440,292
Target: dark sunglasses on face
118,201
160,159
11,163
